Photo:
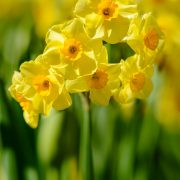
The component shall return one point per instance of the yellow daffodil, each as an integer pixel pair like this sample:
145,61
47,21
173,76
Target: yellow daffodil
135,80
101,83
47,87
38,89
69,45
106,19
145,37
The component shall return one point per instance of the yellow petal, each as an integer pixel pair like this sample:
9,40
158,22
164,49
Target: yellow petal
31,118
94,25
78,85
129,11
82,7
116,29
85,65
54,35
31,68
63,101
76,29
51,57
146,91
124,95
102,57
100,96
42,105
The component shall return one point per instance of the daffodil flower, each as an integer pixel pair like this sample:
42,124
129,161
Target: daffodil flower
47,87
106,19
69,45
38,89
135,80
101,83
145,36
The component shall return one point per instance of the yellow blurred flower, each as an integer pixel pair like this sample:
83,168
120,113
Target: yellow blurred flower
48,12
45,15
168,100
168,57
108,19
69,45
159,6
135,80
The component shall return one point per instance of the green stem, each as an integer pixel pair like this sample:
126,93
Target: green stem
85,140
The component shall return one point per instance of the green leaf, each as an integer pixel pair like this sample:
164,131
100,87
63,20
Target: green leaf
9,165
48,135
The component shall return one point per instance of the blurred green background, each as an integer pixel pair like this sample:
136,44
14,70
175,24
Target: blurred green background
139,141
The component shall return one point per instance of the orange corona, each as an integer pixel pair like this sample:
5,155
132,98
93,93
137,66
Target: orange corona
137,81
72,49
108,9
42,85
98,80
151,39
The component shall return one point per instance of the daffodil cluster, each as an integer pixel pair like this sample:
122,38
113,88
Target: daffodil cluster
75,59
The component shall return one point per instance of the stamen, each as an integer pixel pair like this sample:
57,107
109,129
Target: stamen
46,84
106,11
72,49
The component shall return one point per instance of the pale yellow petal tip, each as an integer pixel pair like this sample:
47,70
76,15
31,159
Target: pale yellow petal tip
63,101
31,118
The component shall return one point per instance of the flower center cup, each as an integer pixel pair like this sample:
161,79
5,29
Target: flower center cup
72,49
42,85
108,9
99,79
137,82
151,39
45,84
